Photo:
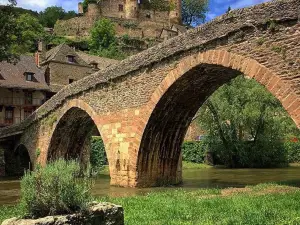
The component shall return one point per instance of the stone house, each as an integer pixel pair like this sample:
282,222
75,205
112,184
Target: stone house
22,90
33,80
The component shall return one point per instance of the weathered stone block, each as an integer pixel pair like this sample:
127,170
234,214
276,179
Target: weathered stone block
98,214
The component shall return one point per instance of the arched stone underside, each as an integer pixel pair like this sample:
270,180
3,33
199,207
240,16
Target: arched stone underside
72,137
179,97
18,162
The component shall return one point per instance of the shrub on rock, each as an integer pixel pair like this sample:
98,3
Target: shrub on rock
58,188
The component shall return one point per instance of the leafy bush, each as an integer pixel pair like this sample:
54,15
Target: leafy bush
293,150
98,155
55,189
262,154
193,151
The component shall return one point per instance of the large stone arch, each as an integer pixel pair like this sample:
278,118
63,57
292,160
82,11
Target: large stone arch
176,100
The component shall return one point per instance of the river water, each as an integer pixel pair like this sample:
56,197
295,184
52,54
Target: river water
192,179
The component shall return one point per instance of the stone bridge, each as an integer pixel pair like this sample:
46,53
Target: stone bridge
143,106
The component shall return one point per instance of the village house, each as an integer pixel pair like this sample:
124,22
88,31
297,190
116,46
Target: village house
34,79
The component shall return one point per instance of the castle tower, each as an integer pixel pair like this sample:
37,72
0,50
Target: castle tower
176,12
131,9
93,10
80,8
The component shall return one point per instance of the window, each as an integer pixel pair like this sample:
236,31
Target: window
9,115
27,112
71,81
28,98
29,76
121,8
71,58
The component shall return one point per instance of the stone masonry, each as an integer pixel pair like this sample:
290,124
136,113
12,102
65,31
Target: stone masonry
142,107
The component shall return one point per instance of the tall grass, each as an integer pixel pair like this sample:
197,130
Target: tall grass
55,189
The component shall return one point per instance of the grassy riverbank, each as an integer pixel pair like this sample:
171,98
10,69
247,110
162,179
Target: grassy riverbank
261,204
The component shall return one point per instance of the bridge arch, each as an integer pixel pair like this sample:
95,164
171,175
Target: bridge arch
23,160
179,96
71,136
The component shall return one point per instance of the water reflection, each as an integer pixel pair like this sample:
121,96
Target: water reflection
193,179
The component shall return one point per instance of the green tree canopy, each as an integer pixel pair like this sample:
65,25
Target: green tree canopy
8,32
194,11
246,125
30,30
103,35
50,15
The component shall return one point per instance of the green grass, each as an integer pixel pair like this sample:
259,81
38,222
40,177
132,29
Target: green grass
262,204
190,165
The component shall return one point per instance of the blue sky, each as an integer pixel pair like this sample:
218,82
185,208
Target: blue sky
217,7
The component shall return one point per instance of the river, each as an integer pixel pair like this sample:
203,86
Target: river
192,179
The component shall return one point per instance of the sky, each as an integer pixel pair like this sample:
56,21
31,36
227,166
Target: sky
217,7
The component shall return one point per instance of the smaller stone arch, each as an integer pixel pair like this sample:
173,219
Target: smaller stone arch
19,161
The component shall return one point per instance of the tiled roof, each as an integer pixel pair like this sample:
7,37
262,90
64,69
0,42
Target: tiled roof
59,54
102,62
13,75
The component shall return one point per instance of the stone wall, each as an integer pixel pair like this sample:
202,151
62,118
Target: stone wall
61,73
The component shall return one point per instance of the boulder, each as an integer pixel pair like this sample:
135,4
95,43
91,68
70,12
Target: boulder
98,214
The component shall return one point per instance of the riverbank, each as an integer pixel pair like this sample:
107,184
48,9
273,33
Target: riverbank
260,204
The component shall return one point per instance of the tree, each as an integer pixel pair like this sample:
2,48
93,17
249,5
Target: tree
7,32
194,11
103,40
30,30
103,35
246,125
50,15
69,15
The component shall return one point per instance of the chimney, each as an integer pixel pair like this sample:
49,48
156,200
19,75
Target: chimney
41,54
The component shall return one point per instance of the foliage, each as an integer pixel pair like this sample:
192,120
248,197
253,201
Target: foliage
193,151
55,189
245,125
85,4
8,32
81,44
194,11
30,30
103,40
157,5
51,14
293,150
69,15
98,155
189,165
102,35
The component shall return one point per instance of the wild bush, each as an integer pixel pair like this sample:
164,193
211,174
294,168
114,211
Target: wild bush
293,150
98,155
55,189
193,151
